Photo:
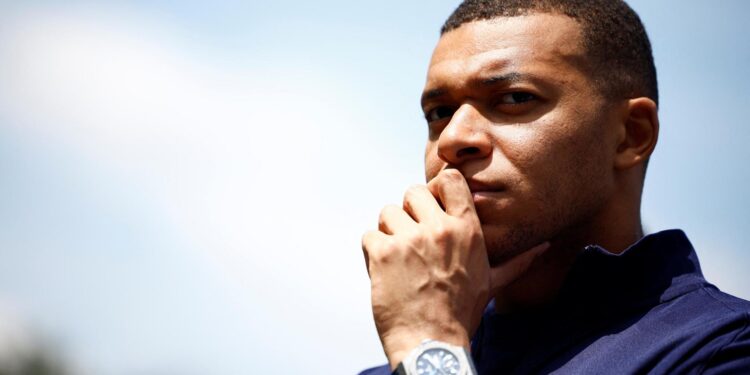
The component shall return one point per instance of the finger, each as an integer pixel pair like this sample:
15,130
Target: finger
451,188
421,204
504,274
393,218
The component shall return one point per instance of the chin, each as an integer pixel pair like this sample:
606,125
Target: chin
503,242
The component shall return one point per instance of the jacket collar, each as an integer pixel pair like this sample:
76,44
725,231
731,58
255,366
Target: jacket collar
657,268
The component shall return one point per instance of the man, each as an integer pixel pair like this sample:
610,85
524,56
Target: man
524,253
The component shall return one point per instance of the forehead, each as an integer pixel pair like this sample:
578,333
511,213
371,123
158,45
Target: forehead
536,44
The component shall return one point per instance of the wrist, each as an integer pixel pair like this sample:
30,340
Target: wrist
432,357
398,346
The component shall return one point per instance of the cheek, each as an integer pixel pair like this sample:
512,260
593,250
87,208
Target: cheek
549,155
524,145
571,160
531,150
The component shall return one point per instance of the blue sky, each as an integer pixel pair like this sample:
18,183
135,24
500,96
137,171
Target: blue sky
184,184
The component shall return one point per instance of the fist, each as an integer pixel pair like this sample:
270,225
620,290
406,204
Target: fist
428,266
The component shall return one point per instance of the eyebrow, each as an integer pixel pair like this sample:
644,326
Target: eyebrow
504,78
487,81
432,94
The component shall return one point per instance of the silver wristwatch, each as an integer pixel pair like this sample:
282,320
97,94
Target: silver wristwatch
439,358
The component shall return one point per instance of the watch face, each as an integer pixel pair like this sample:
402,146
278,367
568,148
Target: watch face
438,361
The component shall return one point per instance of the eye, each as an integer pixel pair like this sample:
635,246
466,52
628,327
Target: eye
519,97
439,113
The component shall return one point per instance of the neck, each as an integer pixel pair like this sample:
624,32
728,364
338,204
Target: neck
615,229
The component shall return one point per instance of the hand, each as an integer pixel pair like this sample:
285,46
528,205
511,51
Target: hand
429,270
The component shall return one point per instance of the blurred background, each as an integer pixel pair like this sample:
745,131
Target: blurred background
183,185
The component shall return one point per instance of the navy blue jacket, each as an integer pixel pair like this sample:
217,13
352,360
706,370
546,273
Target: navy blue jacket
646,311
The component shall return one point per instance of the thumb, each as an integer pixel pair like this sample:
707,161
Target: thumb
506,273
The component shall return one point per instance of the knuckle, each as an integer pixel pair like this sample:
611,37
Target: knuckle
441,232
414,238
386,212
413,191
452,174
389,209
367,240
381,251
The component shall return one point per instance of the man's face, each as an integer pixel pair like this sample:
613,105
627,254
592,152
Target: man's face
512,106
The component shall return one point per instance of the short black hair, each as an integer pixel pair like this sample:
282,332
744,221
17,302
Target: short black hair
614,38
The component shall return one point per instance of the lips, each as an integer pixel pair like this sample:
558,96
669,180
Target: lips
483,193
480,187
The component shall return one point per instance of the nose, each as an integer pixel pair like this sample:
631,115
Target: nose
465,137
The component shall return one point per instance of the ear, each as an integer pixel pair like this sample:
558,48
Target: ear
639,135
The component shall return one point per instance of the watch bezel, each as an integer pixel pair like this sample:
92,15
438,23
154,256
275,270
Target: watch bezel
409,365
